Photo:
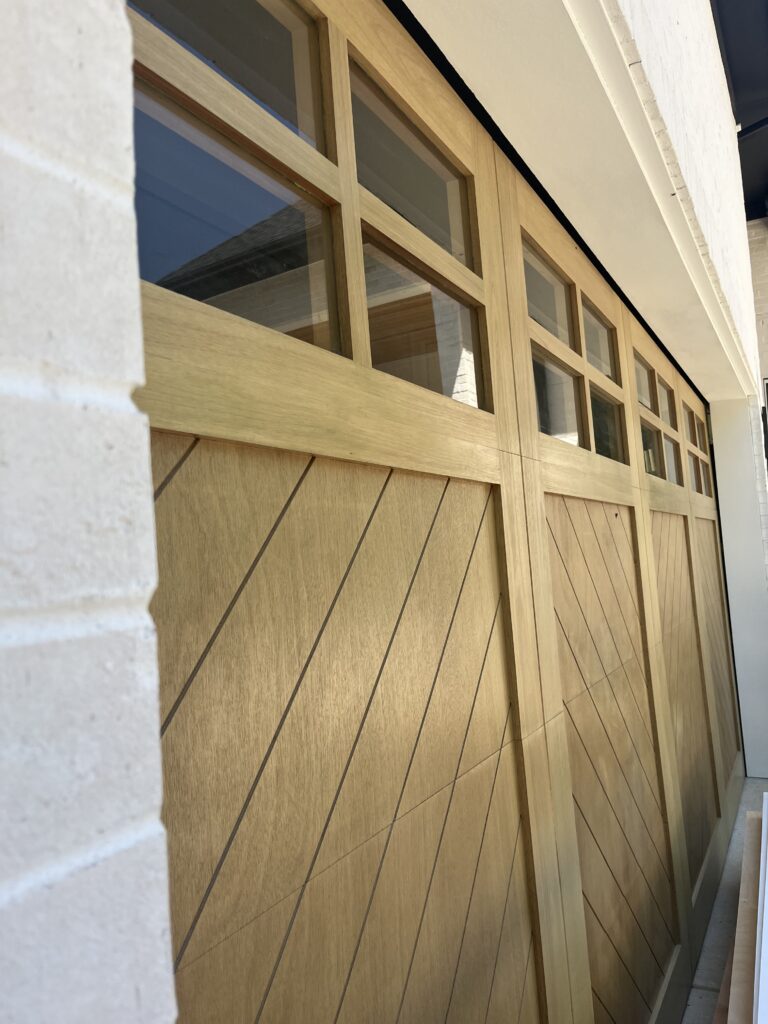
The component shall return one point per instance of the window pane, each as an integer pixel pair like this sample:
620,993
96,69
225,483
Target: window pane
702,434
557,400
419,333
644,385
690,424
599,343
694,473
268,51
651,450
672,458
667,404
216,226
606,422
549,300
396,163
706,479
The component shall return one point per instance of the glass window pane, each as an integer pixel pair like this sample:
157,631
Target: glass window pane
706,479
549,300
606,422
216,226
645,389
690,424
651,450
672,459
667,404
419,333
557,400
598,337
702,434
694,472
397,164
268,51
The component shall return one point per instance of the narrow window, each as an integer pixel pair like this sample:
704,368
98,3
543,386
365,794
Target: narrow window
695,473
651,450
646,392
607,425
402,168
706,479
672,459
217,226
267,50
667,404
701,432
418,332
599,343
549,299
557,399
690,424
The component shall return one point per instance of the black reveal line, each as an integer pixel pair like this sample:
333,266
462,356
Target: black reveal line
477,869
164,483
340,786
228,610
448,813
278,730
410,763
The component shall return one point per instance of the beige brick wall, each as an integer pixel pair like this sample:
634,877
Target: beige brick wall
83,888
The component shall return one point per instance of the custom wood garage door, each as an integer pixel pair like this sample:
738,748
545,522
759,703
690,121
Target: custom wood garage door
342,799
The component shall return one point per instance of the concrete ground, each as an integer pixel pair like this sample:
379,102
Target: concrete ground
722,926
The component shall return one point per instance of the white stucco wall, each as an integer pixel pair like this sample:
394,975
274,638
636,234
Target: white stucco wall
758,251
83,888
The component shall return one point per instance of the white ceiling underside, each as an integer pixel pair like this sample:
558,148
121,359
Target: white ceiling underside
565,99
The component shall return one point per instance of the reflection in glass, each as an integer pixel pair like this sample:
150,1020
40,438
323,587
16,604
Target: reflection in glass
216,226
672,459
694,472
667,404
651,450
418,333
606,423
267,50
397,164
706,479
549,300
598,338
702,434
690,424
644,380
557,401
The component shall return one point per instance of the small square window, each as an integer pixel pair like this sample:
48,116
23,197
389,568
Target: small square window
549,298
557,400
672,460
706,479
646,391
608,427
599,342
701,434
418,332
690,424
667,404
651,450
694,472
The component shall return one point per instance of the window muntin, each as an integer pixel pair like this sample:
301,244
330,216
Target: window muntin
557,400
607,426
651,439
599,342
549,298
269,51
672,461
418,332
646,390
666,403
402,168
217,226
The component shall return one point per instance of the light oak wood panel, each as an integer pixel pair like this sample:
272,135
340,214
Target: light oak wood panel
168,452
741,1003
716,637
680,642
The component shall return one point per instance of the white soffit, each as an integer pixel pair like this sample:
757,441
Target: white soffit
564,98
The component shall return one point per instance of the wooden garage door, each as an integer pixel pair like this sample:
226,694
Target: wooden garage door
341,799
